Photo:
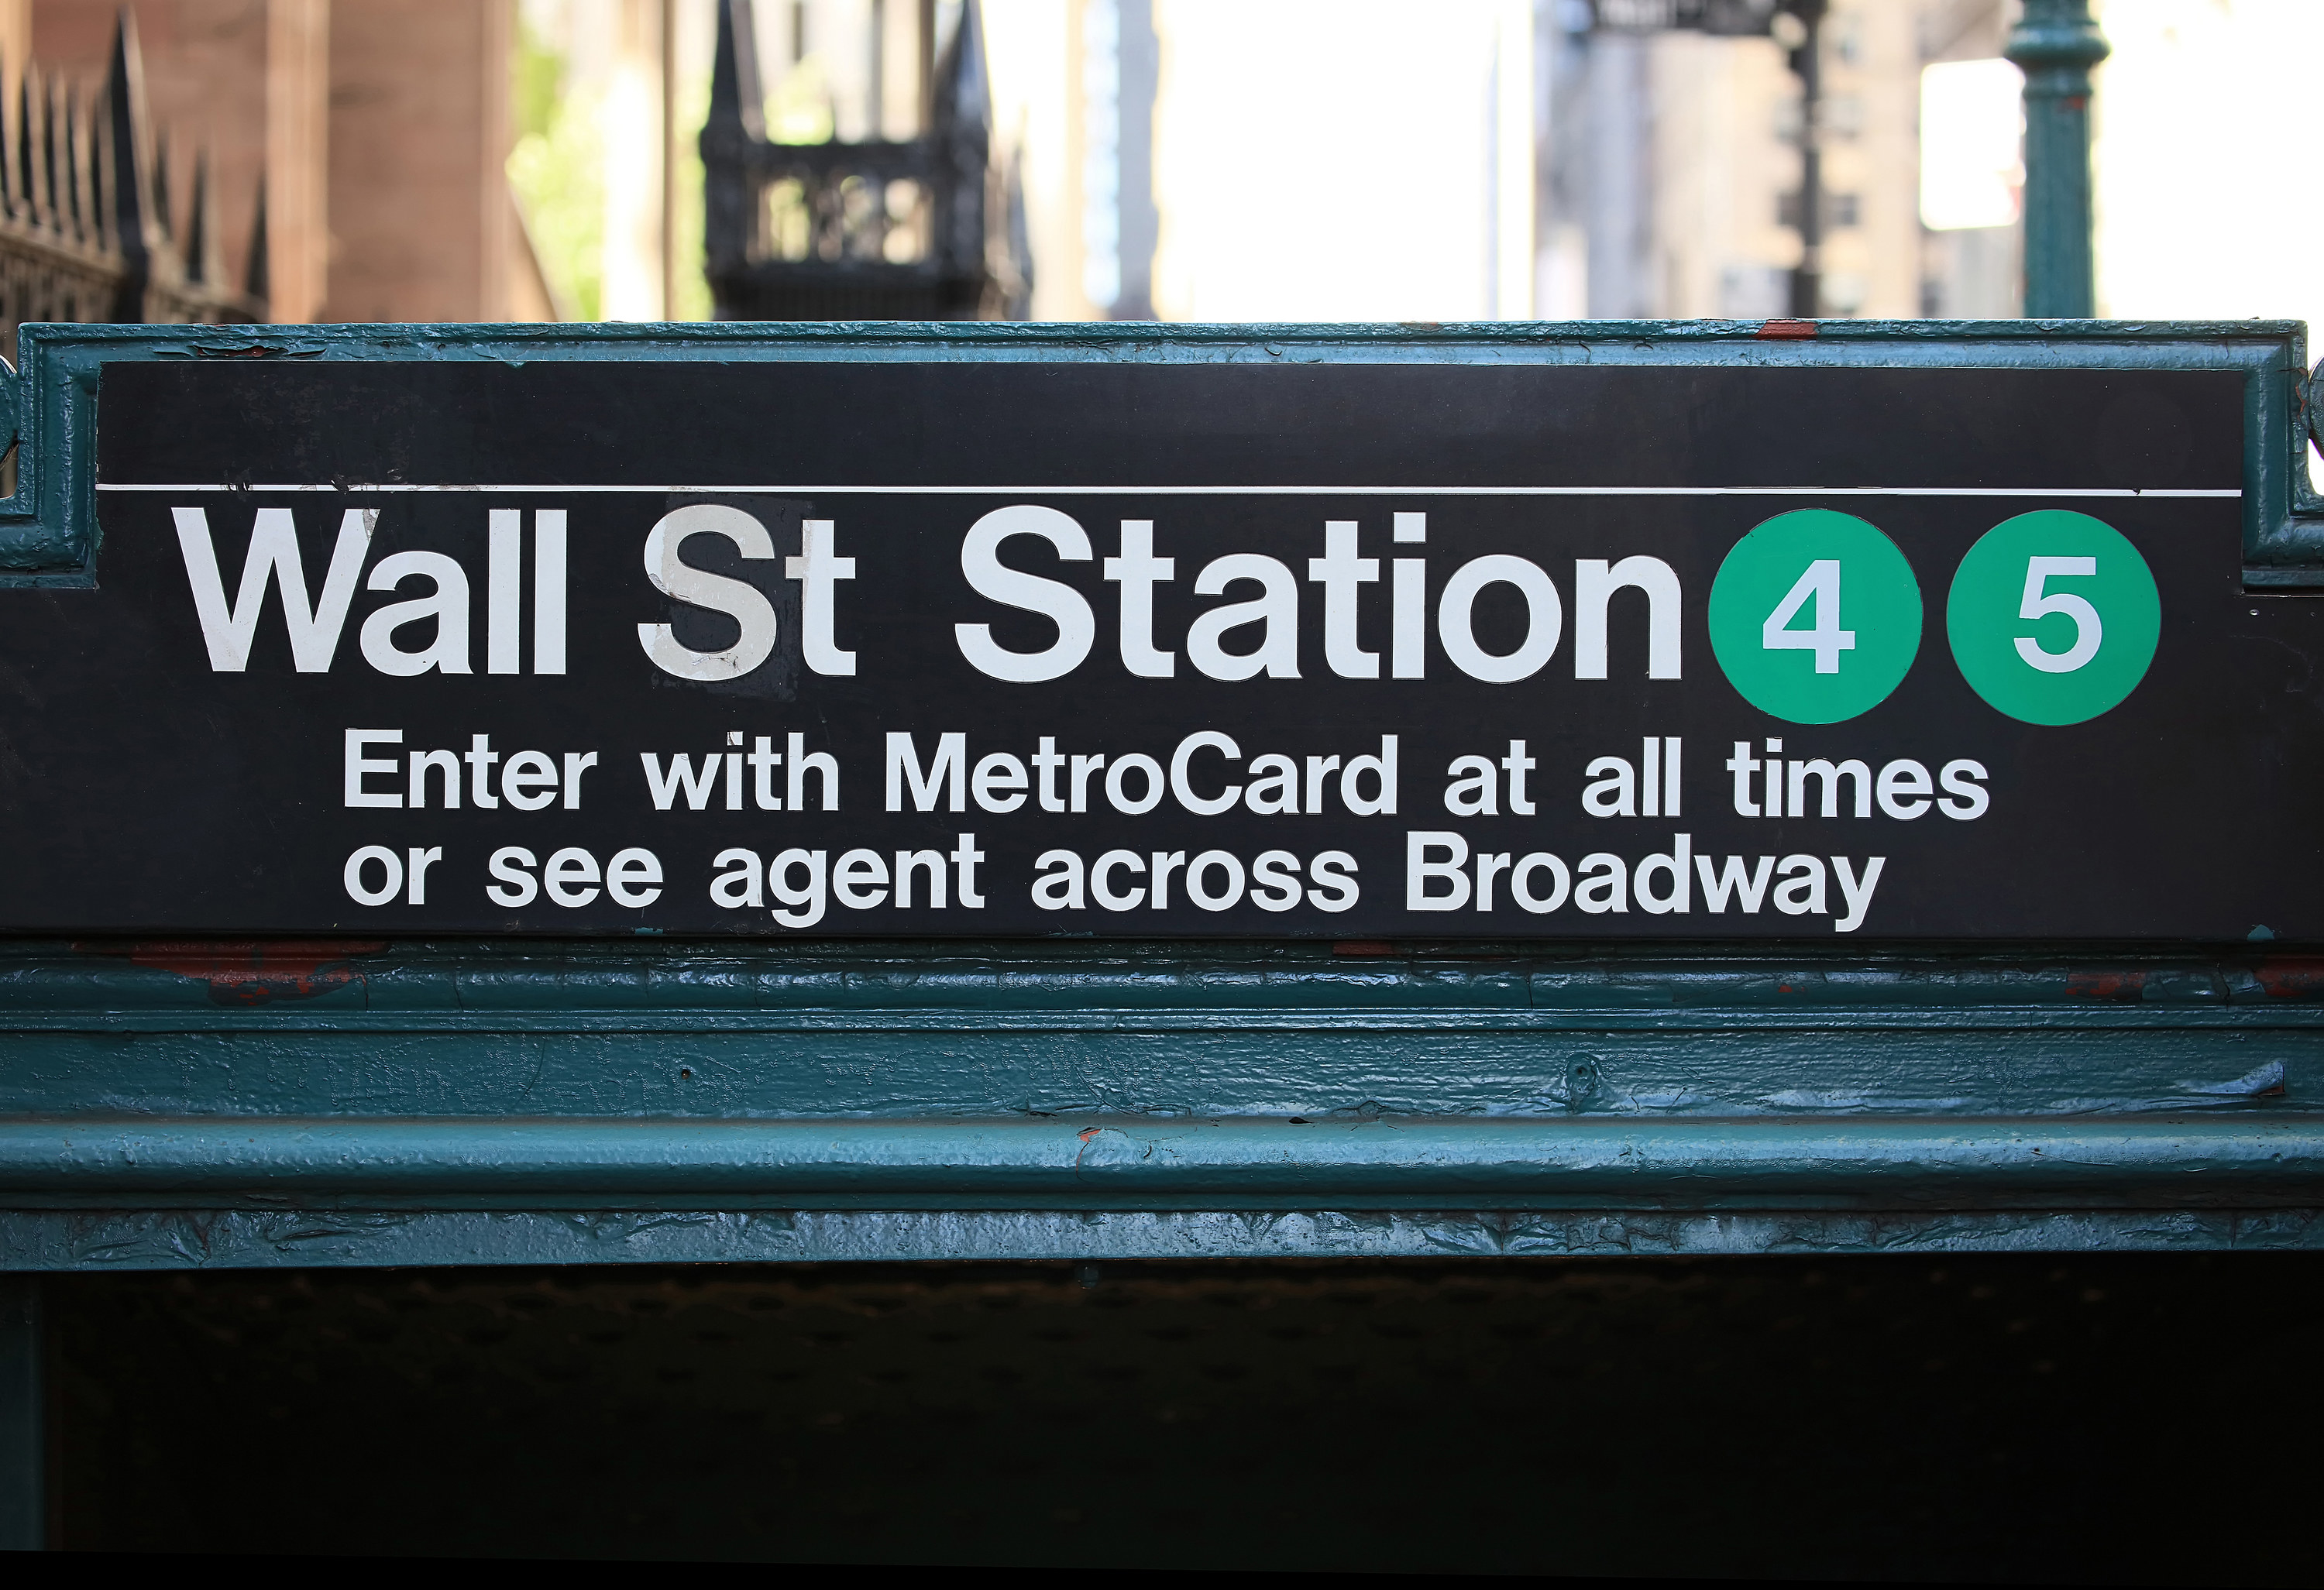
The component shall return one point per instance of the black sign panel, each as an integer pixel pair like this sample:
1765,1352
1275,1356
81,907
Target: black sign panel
1229,649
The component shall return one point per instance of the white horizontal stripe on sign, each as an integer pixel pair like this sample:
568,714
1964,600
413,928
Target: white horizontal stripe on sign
789,491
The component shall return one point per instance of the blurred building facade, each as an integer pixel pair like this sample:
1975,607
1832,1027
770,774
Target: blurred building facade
1299,159
513,160
1671,169
1296,160
374,133
1562,171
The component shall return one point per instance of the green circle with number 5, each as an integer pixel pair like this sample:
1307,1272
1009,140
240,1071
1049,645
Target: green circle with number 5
2053,617
1815,616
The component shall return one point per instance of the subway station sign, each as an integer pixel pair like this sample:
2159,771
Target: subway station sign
1112,650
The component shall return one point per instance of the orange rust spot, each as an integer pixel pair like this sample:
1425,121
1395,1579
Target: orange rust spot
1365,947
1086,1133
2124,987
1783,330
2292,977
252,972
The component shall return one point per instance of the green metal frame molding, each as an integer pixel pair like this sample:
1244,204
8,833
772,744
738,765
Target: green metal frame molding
48,536
536,1101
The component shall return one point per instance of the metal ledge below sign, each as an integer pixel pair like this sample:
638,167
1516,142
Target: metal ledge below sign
172,1239
1854,1162
1993,919
222,1104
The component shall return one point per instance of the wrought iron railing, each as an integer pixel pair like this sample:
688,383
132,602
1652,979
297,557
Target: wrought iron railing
86,231
928,228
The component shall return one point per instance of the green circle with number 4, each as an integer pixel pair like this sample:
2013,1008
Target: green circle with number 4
1815,616
2053,617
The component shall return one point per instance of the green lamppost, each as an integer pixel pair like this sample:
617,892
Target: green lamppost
2055,44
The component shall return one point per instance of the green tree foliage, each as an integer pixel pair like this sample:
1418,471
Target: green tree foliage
557,171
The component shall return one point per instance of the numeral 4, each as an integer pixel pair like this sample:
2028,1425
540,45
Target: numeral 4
1827,640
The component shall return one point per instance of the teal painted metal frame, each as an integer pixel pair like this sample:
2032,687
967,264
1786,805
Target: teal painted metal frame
48,535
528,1101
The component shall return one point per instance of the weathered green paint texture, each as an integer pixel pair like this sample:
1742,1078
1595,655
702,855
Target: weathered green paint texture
522,1101
2056,43
444,1103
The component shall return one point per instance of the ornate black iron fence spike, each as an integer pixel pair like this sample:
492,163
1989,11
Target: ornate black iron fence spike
256,284
28,146
203,265
44,151
11,148
157,214
77,141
